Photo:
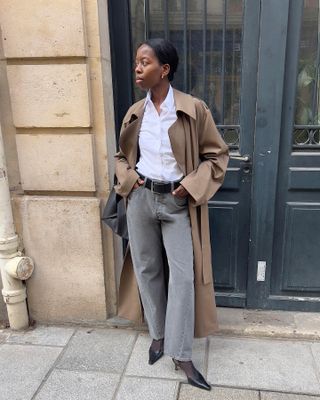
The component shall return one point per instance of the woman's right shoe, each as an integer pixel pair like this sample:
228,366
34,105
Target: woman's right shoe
155,355
194,376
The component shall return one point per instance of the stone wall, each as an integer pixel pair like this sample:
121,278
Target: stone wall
57,119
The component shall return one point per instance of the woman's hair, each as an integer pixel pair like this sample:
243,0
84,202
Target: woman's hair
165,52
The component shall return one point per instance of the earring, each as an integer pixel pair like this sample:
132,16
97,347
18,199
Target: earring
162,76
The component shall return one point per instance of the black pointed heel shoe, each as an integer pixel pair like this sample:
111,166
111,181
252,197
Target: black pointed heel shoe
194,376
155,355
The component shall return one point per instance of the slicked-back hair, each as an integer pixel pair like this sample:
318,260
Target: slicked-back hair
165,52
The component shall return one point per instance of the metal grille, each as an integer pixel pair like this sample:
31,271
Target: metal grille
306,136
208,37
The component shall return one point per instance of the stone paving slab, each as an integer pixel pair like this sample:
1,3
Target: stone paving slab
98,349
78,385
3,336
188,392
42,335
164,368
315,350
133,388
96,358
22,369
266,364
286,396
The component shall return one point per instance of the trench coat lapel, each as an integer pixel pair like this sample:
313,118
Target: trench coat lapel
177,139
129,137
177,131
183,103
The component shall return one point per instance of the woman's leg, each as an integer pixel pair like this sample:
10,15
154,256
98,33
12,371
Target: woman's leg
146,252
176,232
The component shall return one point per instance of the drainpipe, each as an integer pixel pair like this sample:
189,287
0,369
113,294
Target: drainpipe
13,266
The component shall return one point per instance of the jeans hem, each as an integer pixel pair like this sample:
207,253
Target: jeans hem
157,338
178,358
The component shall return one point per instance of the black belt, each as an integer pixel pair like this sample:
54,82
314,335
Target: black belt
159,187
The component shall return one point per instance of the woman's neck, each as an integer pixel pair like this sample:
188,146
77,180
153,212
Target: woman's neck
159,93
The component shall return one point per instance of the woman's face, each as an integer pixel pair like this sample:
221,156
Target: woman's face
148,70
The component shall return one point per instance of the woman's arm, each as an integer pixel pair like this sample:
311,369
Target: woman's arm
126,176
205,180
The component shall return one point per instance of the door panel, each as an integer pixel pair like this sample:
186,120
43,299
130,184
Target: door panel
301,248
223,229
230,208
295,281
268,133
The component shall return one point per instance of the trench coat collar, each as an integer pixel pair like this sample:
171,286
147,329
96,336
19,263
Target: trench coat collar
183,103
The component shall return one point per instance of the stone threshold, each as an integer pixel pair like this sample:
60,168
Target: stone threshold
256,323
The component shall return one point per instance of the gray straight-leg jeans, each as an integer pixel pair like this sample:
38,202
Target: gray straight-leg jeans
154,219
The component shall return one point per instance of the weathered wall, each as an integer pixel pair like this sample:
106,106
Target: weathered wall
57,119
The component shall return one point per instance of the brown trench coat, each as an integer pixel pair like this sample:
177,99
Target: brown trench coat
202,155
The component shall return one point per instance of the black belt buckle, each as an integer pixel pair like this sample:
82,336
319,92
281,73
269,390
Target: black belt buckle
158,187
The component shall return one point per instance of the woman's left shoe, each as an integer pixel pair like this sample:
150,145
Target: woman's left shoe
194,376
155,351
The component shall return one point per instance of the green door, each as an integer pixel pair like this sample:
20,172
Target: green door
287,228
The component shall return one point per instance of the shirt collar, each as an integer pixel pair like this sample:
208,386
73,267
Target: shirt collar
167,104
183,102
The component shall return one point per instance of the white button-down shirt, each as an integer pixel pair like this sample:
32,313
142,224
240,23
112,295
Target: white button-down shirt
156,157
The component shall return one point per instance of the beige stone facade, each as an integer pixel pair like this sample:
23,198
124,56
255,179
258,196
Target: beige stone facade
56,113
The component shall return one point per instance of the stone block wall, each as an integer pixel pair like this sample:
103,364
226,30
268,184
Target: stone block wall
56,113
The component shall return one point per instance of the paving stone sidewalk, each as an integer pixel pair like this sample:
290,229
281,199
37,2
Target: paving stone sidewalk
73,362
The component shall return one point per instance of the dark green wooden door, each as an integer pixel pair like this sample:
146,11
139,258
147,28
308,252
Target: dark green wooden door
230,208
287,237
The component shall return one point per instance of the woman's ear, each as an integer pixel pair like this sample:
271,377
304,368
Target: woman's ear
165,70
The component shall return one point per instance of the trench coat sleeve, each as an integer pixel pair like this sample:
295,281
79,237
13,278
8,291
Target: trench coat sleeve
203,182
126,175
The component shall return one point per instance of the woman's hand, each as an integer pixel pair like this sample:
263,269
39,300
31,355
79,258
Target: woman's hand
180,192
138,183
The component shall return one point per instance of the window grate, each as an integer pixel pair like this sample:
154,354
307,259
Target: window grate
208,37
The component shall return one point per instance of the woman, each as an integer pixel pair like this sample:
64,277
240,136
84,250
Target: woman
171,162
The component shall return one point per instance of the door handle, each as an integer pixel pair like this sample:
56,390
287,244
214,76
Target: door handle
245,158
